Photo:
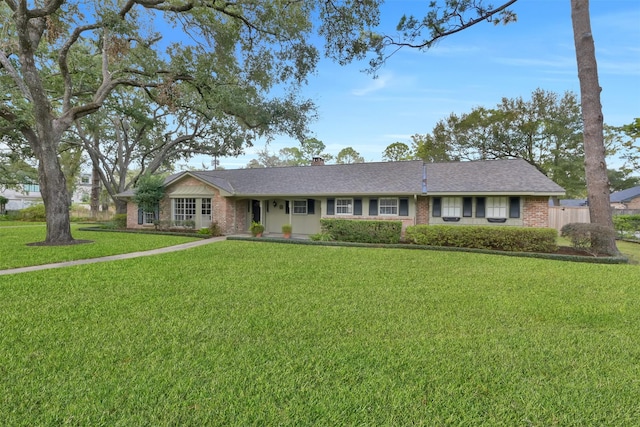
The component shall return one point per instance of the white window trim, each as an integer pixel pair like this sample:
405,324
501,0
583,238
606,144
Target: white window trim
306,207
186,218
451,207
497,204
349,204
396,206
148,218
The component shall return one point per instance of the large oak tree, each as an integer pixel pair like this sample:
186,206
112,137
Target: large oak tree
61,60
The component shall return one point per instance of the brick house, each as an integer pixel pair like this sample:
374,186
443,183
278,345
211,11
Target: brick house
497,192
626,199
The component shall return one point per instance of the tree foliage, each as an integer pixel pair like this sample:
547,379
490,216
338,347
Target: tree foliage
544,130
148,192
396,152
349,155
206,62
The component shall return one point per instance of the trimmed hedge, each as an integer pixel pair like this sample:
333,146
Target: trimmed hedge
588,237
363,231
514,239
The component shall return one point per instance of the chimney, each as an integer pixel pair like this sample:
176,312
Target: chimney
317,161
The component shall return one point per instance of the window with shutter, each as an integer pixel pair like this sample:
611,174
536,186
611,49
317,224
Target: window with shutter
373,207
437,207
331,206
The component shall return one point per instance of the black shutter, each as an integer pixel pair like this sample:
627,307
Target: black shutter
357,206
286,207
373,207
437,206
311,206
157,213
480,203
514,207
403,210
331,206
467,206
140,216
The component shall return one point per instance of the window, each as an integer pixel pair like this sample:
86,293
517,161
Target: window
467,206
514,207
184,209
85,179
300,207
451,206
31,188
388,206
344,206
149,218
496,207
437,206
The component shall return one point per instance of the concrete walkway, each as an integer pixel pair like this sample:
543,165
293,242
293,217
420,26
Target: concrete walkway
114,257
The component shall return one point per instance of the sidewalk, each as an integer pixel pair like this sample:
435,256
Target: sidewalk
113,257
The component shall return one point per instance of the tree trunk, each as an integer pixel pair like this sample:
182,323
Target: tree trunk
121,206
54,193
95,190
594,151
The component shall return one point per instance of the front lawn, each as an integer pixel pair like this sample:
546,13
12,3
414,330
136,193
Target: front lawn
243,333
15,253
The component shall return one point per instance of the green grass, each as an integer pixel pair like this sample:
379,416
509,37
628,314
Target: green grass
14,251
243,333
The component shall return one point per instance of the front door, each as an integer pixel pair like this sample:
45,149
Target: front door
205,213
255,209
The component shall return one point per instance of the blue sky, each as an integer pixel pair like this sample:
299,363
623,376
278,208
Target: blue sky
476,67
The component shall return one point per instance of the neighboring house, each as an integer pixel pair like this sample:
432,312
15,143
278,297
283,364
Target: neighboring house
28,194
497,192
626,199
22,197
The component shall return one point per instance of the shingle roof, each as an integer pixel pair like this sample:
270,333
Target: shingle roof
513,176
624,196
380,178
359,178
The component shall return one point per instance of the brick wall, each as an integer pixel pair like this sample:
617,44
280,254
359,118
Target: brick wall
535,212
422,210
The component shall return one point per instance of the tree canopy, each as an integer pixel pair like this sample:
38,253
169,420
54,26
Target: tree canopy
61,61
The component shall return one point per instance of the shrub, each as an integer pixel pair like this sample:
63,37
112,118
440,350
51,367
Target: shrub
321,237
34,213
256,228
588,237
513,239
215,230
120,221
362,231
626,225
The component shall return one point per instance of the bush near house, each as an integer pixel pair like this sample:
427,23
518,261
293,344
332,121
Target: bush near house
120,221
587,237
35,213
362,231
626,225
516,239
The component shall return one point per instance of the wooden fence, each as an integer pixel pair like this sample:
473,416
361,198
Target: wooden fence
561,215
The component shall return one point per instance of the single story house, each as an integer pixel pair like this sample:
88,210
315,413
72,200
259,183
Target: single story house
497,192
626,199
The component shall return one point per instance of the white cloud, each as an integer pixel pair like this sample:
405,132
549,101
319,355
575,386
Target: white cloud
374,85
